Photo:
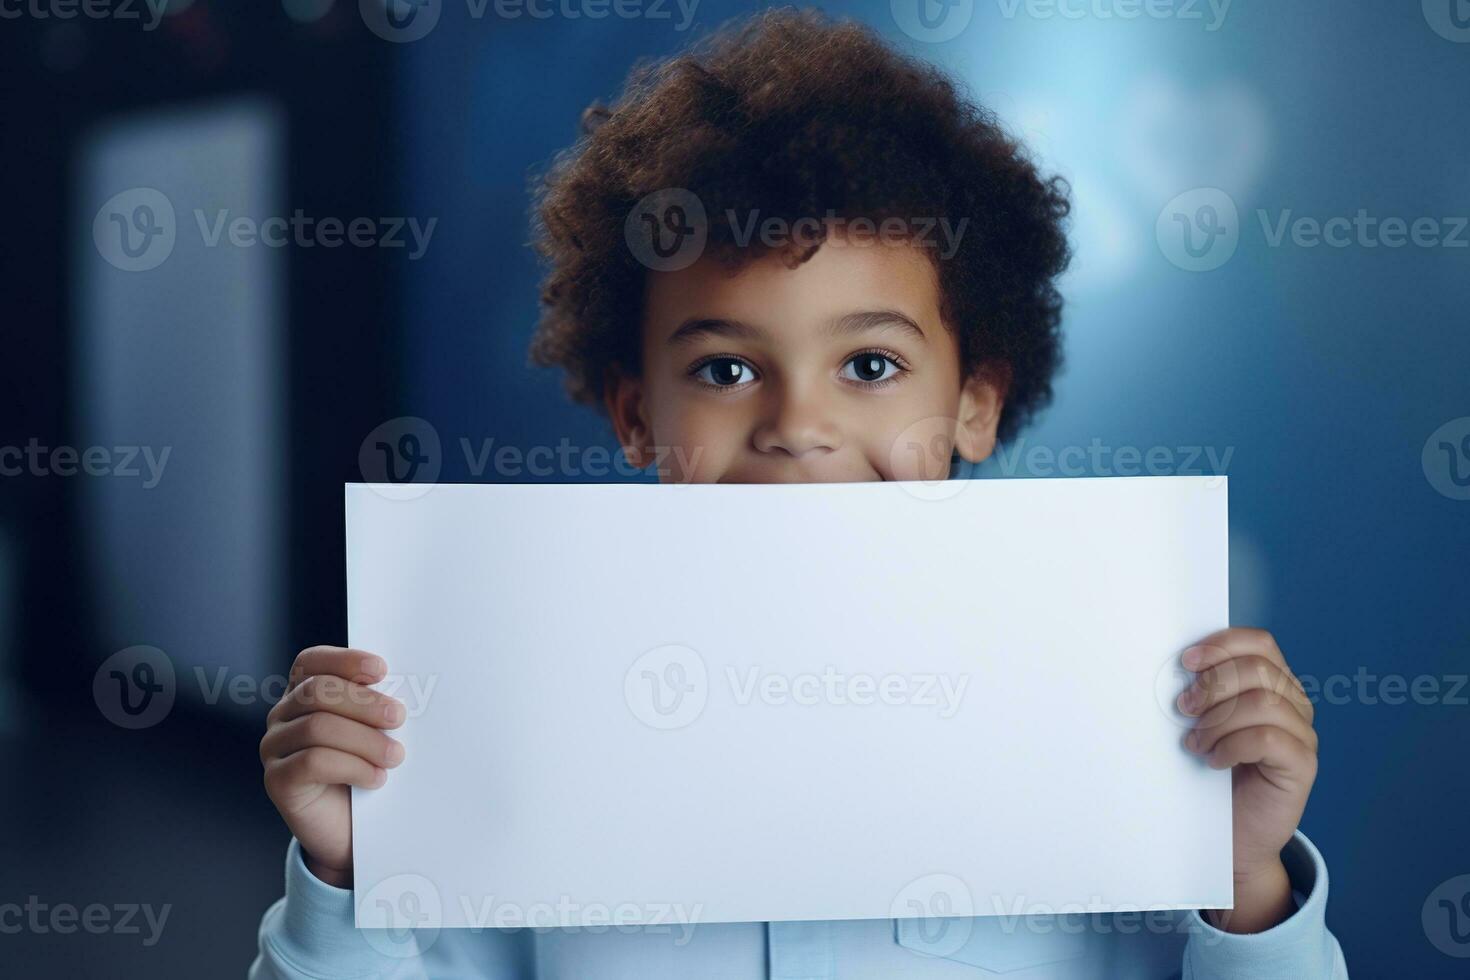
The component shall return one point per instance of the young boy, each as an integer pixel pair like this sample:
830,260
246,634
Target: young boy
870,294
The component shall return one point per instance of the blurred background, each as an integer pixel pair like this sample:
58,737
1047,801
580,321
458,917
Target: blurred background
252,243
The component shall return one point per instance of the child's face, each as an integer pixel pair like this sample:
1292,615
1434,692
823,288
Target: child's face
838,370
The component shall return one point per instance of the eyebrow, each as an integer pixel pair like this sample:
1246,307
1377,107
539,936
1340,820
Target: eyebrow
875,320
696,328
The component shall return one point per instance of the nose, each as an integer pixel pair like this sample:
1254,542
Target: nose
797,424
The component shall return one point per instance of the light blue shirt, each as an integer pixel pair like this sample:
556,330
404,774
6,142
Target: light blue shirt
309,934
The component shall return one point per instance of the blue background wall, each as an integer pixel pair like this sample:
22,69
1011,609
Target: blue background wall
1322,371
1321,379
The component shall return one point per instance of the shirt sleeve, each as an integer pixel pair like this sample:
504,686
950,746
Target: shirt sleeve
1300,948
310,934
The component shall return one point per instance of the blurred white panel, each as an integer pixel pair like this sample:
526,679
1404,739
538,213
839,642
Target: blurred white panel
1250,580
1173,137
1107,243
180,366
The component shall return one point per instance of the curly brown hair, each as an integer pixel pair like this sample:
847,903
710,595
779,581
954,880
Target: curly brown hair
791,115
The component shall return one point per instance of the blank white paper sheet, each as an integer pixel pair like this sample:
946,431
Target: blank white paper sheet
642,704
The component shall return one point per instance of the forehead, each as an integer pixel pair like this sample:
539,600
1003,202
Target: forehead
839,278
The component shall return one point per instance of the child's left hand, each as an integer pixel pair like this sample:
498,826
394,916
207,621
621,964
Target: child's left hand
1252,715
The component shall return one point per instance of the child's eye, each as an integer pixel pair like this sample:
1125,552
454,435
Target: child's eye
871,367
724,372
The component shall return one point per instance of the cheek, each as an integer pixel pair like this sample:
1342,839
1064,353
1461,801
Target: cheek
914,440
699,441
919,451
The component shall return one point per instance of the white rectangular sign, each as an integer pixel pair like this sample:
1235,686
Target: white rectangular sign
642,704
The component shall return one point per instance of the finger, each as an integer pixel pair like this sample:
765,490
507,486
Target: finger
1257,707
326,692
320,766
1237,675
1238,642
1275,751
344,662
322,728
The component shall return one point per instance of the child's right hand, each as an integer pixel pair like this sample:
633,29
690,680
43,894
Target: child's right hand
324,735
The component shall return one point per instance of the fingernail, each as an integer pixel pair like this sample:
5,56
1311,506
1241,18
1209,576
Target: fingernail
373,666
1193,657
394,755
1187,700
393,713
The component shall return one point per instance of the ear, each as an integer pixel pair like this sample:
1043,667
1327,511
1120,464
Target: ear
982,396
623,396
